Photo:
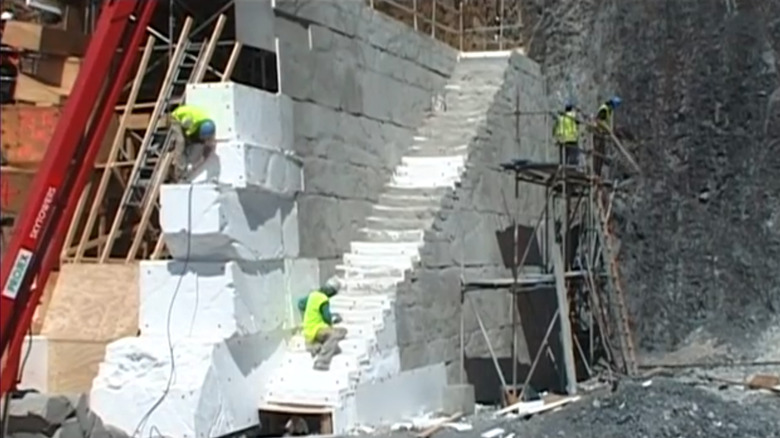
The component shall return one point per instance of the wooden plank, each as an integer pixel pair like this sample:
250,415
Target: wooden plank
565,323
14,187
26,132
43,306
56,71
44,39
94,303
73,364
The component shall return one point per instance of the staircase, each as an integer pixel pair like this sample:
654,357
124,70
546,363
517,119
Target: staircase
389,245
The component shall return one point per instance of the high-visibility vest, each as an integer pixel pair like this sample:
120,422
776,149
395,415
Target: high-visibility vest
190,118
604,115
566,128
312,317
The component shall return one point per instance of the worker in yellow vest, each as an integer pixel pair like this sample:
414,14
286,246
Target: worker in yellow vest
194,134
604,125
567,135
322,338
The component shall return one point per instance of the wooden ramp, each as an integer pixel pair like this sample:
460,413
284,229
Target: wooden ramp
90,306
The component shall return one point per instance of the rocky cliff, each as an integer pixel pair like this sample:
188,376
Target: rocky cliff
700,228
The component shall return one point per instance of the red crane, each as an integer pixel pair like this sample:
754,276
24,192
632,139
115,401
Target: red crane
35,247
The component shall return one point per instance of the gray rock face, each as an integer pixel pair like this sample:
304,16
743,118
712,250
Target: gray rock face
38,415
700,229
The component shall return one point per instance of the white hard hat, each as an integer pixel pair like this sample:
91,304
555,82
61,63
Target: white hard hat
7,15
333,283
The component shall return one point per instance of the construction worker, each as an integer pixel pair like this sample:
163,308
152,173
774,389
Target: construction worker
322,338
567,133
604,125
194,136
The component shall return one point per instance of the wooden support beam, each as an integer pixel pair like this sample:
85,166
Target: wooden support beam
565,324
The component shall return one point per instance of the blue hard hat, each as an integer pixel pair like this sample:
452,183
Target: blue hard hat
615,101
568,104
207,129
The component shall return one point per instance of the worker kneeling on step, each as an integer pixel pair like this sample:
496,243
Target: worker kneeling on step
194,135
322,338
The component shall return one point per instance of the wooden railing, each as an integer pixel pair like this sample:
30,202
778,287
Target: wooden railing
467,26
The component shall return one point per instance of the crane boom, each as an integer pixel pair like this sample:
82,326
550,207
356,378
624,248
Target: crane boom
62,176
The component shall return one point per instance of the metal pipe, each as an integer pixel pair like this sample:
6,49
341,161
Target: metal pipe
542,347
462,337
433,20
460,19
501,27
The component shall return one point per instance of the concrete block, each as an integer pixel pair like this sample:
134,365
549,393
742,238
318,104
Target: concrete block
246,114
292,32
210,222
241,165
335,14
400,397
459,398
327,224
291,242
211,300
215,390
255,23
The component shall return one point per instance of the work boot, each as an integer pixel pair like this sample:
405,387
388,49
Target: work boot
315,349
321,365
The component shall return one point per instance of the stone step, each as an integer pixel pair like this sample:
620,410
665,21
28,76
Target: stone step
409,201
377,222
302,397
410,249
431,150
358,347
377,285
410,213
425,163
399,261
343,362
432,182
379,301
383,235
432,174
359,272
423,192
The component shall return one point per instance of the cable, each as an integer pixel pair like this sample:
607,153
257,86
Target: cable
172,374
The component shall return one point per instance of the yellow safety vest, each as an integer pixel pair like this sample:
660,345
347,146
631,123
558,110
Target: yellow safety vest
312,318
604,115
190,118
566,128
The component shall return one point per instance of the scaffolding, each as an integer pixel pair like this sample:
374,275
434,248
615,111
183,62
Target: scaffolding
116,218
572,246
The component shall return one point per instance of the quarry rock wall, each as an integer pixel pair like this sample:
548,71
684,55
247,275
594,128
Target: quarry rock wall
700,85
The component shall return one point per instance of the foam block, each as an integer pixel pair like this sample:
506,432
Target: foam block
211,299
246,114
214,391
241,165
211,222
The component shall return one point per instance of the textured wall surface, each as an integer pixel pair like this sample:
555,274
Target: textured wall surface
361,84
463,242
701,85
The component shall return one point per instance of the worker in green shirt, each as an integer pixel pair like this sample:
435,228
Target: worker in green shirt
322,338
194,134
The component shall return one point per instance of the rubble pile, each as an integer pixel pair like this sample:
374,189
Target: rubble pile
38,416
661,408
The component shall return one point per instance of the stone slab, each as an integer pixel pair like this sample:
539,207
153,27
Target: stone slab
459,398
255,23
211,222
246,114
241,165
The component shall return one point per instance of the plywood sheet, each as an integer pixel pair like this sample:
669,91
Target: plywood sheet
43,306
29,89
73,365
14,188
26,132
93,302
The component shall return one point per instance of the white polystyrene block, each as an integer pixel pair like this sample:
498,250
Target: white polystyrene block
214,391
246,114
400,397
212,222
214,300
240,164
35,374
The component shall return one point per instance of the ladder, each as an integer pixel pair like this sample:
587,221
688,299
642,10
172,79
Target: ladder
155,154
616,296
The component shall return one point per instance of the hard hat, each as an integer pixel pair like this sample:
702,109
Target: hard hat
615,101
207,129
7,15
332,286
568,105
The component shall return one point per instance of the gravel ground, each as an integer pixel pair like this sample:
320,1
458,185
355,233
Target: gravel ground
667,408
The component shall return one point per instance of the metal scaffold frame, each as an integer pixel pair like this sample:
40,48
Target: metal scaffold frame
98,225
574,234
